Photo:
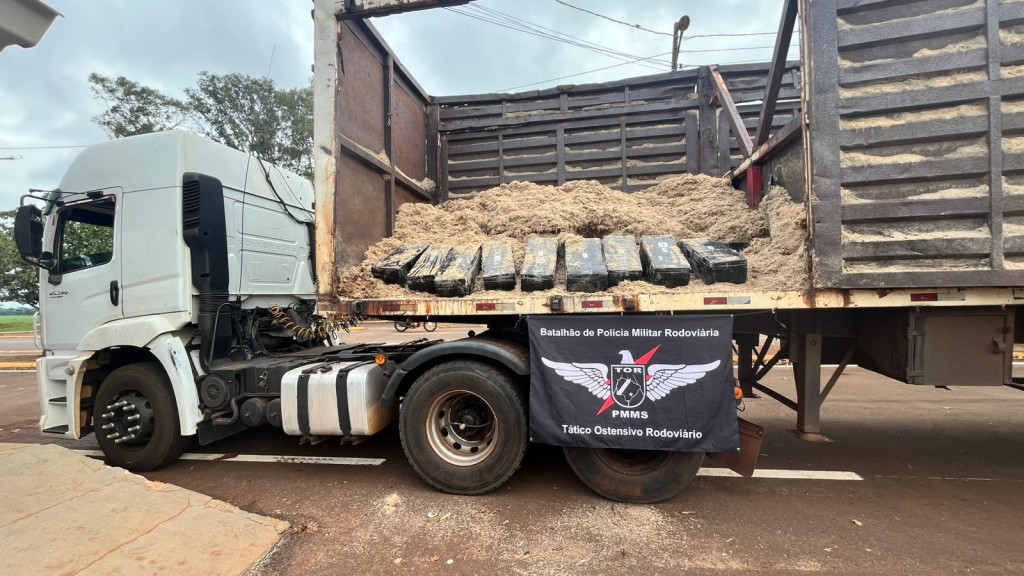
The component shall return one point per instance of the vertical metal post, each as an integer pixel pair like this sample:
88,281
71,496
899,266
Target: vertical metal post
805,352
707,126
746,344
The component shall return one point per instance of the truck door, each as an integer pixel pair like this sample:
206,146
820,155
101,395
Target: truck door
83,289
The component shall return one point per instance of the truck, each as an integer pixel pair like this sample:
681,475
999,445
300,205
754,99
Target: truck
189,291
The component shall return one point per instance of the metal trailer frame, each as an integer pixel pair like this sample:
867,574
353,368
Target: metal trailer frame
756,124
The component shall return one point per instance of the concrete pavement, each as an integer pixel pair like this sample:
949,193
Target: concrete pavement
64,513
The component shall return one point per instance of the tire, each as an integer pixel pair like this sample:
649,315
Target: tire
401,326
475,458
158,440
634,476
430,326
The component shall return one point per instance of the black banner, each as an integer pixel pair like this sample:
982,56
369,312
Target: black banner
640,382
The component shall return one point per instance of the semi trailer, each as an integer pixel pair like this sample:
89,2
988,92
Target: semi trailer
189,291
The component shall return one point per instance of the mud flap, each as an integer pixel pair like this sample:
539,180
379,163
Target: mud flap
744,461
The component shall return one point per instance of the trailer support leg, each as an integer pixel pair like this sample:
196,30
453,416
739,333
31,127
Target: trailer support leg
805,351
746,344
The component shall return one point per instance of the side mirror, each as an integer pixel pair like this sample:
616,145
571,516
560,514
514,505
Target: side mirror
28,237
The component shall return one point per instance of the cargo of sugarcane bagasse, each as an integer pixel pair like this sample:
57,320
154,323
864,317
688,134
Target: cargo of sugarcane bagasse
498,267
459,269
395,268
663,262
584,266
539,262
714,262
622,258
421,277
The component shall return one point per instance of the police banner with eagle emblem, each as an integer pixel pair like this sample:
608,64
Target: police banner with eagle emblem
637,382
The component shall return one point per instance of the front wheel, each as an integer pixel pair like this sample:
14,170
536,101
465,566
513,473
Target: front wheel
634,476
463,427
429,326
135,418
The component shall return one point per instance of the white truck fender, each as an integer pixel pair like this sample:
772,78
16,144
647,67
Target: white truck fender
172,356
132,331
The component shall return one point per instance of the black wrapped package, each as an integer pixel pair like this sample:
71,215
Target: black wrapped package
538,272
459,269
421,277
584,266
622,258
395,267
663,262
714,262
498,267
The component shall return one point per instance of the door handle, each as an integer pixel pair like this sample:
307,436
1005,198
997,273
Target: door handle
115,292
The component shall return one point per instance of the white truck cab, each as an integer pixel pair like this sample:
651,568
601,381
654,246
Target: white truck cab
116,281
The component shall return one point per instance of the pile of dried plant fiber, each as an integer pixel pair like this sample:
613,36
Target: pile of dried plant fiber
684,207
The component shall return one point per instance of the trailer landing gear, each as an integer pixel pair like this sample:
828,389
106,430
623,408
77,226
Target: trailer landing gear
803,350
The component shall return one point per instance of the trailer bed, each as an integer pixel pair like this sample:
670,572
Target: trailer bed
708,301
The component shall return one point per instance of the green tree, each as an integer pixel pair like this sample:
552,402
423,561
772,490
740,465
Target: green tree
252,114
245,112
21,280
135,109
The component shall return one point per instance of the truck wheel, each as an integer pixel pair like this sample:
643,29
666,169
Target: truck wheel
463,427
634,476
135,418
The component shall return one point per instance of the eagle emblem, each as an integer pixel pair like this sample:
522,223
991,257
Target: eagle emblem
630,382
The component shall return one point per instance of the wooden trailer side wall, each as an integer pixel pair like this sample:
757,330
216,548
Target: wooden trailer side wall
916,142
625,134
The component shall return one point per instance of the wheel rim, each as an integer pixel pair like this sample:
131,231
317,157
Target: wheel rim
129,420
633,462
461,428
430,326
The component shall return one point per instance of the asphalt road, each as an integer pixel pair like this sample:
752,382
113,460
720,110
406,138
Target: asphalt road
942,493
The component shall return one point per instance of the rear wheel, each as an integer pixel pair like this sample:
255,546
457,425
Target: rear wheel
634,476
401,326
463,427
135,418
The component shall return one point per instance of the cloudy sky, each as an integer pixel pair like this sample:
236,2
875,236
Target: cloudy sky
46,106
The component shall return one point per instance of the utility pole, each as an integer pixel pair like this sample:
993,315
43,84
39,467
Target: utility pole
677,39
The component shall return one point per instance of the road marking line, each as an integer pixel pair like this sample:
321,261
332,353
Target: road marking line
337,460
783,474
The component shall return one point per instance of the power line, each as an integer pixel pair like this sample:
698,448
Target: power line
636,26
43,147
582,73
504,23
730,35
517,20
593,48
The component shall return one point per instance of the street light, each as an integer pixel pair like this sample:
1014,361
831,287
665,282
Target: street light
15,157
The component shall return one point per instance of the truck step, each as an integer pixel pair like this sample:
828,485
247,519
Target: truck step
395,267
61,400
498,267
714,262
421,276
663,262
538,272
584,266
459,269
622,258
56,430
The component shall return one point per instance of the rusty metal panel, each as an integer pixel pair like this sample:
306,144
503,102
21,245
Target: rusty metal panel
360,211
380,148
916,142
409,135
360,91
